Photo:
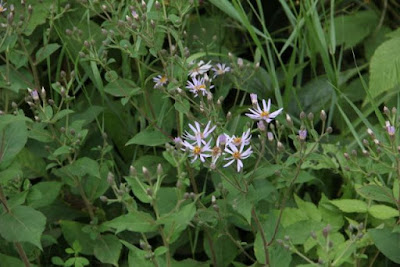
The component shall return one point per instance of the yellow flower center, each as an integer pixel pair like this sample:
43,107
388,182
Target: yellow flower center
1,8
236,155
196,150
237,140
264,114
163,79
216,151
199,87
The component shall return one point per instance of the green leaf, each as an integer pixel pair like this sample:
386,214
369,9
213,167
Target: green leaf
13,136
48,192
107,249
46,51
59,115
31,164
350,205
352,29
376,192
383,212
72,231
387,242
175,223
136,222
10,174
223,249
182,106
137,257
10,261
23,224
309,208
122,88
385,67
149,137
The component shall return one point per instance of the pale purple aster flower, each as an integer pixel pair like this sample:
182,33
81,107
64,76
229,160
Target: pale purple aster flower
261,126
263,114
2,7
390,129
198,150
34,94
270,136
253,98
160,80
135,15
239,140
302,134
198,133
220,69
222,139
197,86
200,68
237,154
217,149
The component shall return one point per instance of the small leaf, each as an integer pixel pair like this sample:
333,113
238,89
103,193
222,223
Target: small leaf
23,224
136,222
72,232
350,205
149,138
107,249
46,51
122,88
383,212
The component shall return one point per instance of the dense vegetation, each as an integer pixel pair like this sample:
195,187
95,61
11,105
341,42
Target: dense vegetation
199,133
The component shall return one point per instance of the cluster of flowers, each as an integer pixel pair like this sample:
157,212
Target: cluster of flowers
232,148
200,81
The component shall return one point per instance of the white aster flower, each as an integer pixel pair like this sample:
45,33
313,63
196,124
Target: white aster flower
198,150
197,86
198,133
220,69
237,154
200,68
263,114
217,149
239,140
2,7
160,80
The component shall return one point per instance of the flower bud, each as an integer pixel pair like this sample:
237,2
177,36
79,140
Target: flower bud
270,136
302,115
326,230
302,134
329,130
280,146
146,172
104,199
253,98
159,169
289,120
386,111
110,178
310,116
322,115
261,126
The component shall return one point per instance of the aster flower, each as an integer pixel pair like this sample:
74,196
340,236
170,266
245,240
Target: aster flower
2,7
197,86
34,94
160,80
198,150
390,129
239,140
237,154
217,149
220,69
302,134
200,68
198,133
263,114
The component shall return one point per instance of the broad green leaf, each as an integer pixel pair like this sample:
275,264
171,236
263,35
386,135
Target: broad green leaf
350,205
300,231
11,261
387,242
136,222
385,67
175,223
139,189
383,212
137,257
182,106
149,137
9,174
376,192
107,249
309,208
32,165
23,224
13,137
15,76
122,88
48,192
39,15
352,29
72,231
223,249
45,51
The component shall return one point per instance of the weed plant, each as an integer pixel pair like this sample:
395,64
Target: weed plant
199,133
